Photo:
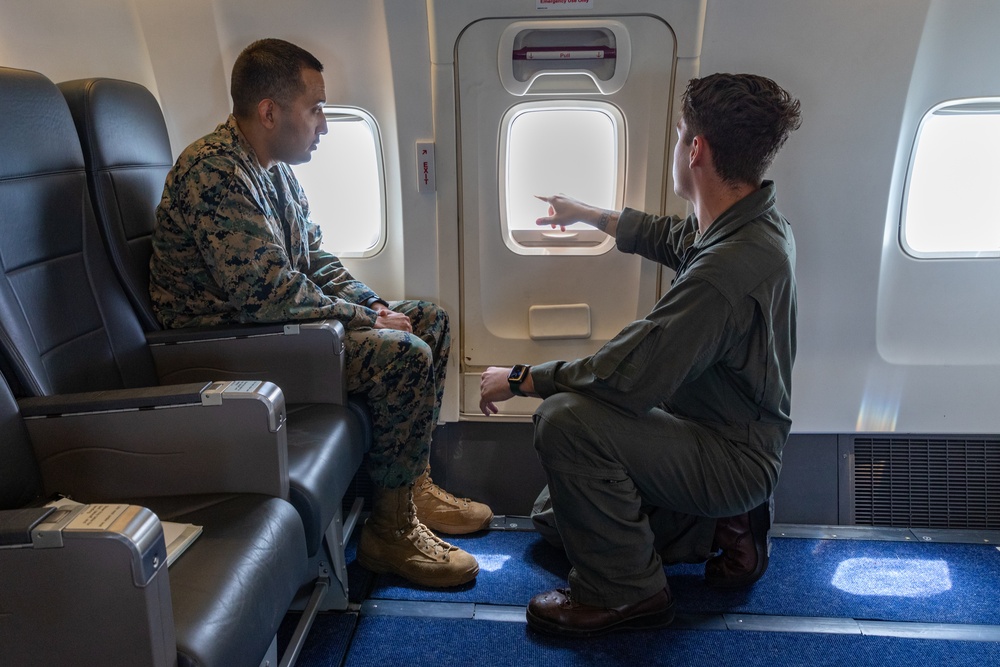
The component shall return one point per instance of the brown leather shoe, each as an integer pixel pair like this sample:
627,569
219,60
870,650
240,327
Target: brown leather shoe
745,546
556,613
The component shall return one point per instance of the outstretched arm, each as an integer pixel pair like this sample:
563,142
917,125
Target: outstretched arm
565,210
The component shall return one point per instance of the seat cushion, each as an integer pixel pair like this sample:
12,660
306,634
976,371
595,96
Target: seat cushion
234,584
324,453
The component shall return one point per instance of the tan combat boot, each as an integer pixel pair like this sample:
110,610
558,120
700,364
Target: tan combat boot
444,513
393,540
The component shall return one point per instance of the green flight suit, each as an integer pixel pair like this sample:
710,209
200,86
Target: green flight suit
681,418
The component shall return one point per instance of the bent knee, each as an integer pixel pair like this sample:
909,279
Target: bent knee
564,407
429,314
416,353
435,313
561,423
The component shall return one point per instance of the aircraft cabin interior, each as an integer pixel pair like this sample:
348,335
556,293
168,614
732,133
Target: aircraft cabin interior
196,495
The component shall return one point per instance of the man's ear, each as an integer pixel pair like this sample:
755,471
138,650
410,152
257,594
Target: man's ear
265,113
699,151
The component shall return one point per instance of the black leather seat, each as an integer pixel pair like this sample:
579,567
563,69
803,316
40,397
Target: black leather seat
127,155
220,603
66,325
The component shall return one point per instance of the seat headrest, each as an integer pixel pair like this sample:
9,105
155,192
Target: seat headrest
119,122
37,134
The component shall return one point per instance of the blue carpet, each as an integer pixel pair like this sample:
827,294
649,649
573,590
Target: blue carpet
386,640
890,581
327,641
513,567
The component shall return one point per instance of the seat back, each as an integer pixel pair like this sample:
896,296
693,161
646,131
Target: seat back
65,323
126,150
20,481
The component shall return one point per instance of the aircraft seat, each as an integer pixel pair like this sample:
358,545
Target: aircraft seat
96,589
66,325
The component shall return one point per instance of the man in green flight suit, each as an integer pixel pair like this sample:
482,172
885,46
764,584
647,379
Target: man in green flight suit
665,445
234,243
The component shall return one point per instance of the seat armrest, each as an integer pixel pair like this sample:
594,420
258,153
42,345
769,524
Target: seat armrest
229,437
92,594
115,399
306,360
195,334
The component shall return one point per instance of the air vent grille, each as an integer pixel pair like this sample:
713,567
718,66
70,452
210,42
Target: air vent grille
926,482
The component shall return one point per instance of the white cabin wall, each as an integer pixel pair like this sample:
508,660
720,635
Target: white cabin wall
73,40
192,82
850,64
409,59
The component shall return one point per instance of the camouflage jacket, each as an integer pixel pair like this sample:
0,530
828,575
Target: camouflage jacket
233,243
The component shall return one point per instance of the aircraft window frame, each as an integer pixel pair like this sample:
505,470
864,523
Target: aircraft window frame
333,225
576,241
956,166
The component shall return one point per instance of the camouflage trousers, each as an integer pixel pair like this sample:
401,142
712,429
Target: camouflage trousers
401,376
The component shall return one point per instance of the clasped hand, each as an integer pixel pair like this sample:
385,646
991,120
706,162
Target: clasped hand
390,319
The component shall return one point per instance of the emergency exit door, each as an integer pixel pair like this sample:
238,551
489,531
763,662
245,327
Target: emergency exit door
579,106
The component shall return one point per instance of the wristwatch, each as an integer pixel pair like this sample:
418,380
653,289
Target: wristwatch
518,374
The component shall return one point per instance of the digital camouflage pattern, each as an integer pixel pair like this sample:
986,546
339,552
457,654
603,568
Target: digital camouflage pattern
233,243
402,375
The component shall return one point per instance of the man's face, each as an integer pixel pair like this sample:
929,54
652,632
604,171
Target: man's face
298,126
682,163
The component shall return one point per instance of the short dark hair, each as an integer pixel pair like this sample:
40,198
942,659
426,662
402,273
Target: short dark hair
269,69
745,119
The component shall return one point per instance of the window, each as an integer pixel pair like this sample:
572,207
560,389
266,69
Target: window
951,205
345,184
571,147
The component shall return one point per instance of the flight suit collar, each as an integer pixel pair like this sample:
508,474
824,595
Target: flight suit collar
749,208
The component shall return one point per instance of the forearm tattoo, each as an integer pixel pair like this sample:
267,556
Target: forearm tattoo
602,222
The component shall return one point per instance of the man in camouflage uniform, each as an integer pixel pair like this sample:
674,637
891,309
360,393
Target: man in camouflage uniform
233,243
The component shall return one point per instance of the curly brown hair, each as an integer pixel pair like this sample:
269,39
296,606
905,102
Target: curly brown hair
745,119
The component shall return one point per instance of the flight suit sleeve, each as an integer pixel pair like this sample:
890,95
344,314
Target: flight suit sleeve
649,359
250,265
661,239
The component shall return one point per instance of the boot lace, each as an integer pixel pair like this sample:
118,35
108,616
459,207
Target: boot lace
428,542
430,487
421,536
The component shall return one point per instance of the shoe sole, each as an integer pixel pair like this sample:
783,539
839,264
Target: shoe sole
456,530
656,620
380,567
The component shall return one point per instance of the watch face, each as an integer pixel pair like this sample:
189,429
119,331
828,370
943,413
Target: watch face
518,373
